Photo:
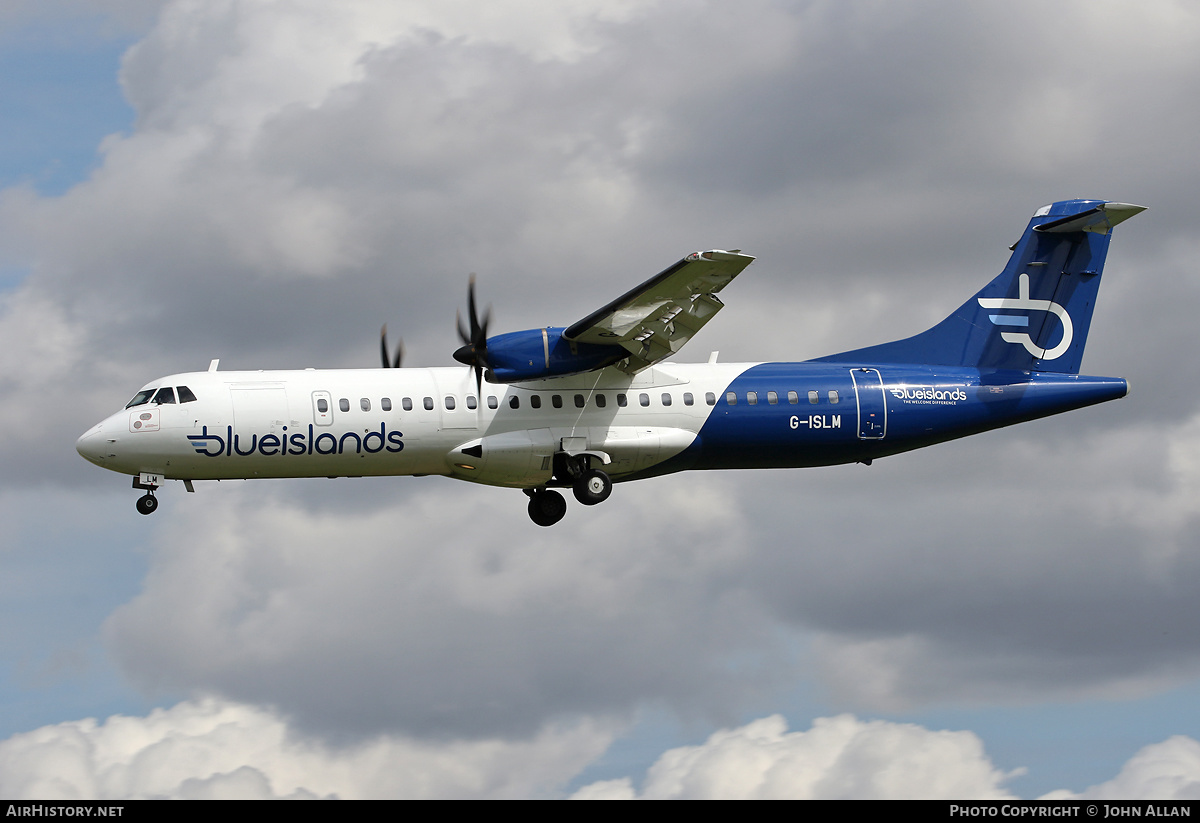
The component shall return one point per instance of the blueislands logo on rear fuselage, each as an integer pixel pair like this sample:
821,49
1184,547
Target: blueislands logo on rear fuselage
929,395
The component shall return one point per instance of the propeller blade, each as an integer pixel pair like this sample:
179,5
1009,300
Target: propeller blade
388,362
473,352
475,328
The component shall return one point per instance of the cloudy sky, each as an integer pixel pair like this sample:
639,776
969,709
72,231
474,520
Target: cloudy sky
268,181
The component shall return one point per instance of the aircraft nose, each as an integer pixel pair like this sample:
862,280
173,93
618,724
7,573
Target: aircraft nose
91,446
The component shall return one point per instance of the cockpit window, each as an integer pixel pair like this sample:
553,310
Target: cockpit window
141,398
185,394
165,395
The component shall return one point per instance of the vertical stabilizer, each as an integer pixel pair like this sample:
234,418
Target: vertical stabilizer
1035,316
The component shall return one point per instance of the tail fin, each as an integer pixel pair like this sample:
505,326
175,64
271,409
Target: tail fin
1033,317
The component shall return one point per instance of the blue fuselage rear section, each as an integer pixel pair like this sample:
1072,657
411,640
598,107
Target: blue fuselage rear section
781,415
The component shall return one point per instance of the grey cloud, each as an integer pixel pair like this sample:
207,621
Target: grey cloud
386,621
877,160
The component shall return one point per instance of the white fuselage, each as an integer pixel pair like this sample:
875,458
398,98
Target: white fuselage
331,423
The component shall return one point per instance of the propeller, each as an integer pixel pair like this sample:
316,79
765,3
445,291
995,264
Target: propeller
473,352
389,363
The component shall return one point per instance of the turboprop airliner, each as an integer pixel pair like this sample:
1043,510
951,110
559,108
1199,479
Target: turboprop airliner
598,402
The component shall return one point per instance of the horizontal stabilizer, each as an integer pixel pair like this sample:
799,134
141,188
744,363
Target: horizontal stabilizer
1099,220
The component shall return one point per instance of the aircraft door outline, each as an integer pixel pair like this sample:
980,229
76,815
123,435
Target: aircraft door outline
872,406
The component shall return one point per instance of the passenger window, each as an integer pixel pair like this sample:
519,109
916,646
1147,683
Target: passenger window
141,398
731,398
644,399
833,396
535,400
428,403
185,395
752,398
472,403
344,404
556,400
812,397
449,402
493,402
364,404
514,402
580,401
793,398
772,397
710,398
666,398
622,400
322,405
687,398
601,401
406,404
165,395
386,404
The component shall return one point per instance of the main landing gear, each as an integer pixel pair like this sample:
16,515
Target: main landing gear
546,507
147,503
590,486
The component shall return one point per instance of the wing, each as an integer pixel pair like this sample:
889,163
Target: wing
654,320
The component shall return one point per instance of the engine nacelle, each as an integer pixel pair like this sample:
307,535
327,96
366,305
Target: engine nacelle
537,353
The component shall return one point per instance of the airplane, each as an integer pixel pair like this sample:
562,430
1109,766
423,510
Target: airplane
598,402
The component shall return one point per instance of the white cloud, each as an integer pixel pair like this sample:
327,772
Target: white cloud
216,749
846,758
838,758
1162,771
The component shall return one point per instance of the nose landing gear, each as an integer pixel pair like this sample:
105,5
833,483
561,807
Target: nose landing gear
147,482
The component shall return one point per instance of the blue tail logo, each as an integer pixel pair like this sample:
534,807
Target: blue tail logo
1022,302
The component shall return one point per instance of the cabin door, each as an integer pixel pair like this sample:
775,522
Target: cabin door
872,407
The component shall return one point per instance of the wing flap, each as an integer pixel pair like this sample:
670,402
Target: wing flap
655,320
